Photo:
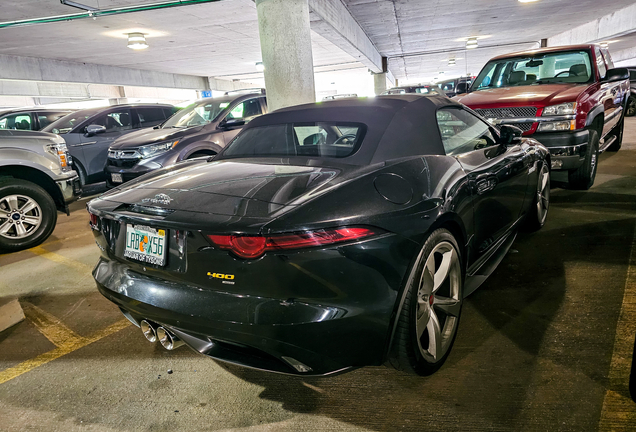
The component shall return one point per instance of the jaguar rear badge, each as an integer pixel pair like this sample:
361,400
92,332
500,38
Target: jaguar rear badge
158,199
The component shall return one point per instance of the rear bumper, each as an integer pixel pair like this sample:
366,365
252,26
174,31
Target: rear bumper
567,149
304,312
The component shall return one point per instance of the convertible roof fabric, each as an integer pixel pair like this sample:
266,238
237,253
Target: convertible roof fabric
397,125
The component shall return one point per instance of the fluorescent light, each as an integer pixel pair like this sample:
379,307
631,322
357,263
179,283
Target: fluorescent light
527,1
471,43
137,41
604,44
260,67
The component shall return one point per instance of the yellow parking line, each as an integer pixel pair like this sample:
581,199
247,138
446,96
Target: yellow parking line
52,256
52,328
619,411
65,348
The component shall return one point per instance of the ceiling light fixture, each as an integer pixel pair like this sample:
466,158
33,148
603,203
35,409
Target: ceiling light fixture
137,41
604,44
527,1
260,67
471,43
451,62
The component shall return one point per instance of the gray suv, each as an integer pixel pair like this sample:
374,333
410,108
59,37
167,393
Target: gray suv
89,132
201,129
36,180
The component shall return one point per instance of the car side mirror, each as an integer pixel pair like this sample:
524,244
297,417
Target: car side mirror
617,74
94,130
461,88
230,124
509,135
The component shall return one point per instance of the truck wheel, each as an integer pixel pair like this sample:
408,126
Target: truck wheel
27,215
618,133
631,106
583,177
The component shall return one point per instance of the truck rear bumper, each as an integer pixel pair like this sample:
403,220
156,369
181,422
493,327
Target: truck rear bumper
567,149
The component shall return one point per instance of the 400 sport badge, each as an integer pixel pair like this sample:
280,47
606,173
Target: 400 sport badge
145,244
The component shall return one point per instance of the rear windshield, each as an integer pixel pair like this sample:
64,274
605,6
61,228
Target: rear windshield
319,139
557,67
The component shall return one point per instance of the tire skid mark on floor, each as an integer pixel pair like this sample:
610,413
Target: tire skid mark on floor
67,347
618,411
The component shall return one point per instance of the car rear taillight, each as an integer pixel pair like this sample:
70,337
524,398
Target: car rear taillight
250,247
94,222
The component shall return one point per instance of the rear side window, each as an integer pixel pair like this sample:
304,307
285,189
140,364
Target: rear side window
149,117
463,132
320,139
20,121
46,118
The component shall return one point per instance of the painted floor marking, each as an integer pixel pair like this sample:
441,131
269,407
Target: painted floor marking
52,256
619,411
51,327
66,347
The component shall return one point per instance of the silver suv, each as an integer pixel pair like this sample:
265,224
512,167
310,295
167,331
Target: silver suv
36,180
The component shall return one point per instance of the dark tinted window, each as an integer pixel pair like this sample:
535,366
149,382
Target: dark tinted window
46,118
246,110
149,117
632,75
114,121
20,121
462,132
322,139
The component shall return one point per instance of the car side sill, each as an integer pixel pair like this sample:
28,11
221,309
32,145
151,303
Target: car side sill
479,272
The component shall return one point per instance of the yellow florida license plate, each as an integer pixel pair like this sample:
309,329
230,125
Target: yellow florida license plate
145,244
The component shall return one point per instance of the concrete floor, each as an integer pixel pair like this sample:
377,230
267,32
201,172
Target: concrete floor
544,344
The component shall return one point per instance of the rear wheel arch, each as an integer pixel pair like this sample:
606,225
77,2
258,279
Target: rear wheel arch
39,178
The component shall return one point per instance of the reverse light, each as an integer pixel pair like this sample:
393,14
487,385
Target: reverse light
560,109
250,247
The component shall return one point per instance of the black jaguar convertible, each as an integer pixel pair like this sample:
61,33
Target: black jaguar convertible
325,236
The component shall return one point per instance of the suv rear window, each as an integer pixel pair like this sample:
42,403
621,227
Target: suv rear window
319,139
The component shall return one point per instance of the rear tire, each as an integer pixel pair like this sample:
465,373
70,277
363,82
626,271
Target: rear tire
427,324
538,212
27,215
583,177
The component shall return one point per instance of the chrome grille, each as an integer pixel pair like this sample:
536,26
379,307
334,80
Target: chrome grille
504,113
524,126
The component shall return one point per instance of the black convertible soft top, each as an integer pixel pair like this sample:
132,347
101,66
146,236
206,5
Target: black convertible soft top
397,125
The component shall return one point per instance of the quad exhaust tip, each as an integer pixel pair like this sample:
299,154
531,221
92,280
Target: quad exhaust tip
168,340
148,330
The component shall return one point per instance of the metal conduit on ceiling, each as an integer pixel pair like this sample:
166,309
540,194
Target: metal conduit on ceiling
93,13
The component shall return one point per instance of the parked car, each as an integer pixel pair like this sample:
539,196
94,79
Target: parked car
326,236
455,86
631,102
36,181
202,129
89,132
569,98
30,118
427,89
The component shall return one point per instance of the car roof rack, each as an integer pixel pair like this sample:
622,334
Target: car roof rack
256,90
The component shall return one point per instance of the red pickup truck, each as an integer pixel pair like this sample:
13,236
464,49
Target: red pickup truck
569,98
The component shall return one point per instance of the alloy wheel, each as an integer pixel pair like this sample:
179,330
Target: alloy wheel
439,302
20,216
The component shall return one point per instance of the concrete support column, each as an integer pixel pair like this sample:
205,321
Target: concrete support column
283,26
379,83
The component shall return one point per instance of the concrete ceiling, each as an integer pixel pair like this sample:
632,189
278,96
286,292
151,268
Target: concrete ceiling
221,39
